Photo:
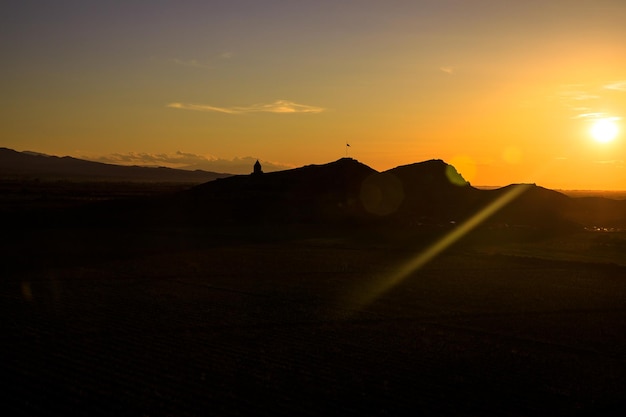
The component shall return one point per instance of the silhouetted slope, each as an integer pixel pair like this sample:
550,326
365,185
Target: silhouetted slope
308,194
434,191
541,207
598,212
532,205
345,189
347,192
31,165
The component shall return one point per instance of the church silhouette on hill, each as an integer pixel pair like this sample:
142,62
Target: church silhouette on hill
257,170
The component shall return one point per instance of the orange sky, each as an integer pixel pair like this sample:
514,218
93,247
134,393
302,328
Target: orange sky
504,90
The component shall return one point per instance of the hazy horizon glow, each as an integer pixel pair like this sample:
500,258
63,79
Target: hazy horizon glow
505,91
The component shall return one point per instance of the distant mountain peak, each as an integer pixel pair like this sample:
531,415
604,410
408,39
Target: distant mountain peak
31,165
432,173
36,153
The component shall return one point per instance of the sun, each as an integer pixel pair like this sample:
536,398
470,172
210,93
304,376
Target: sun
604,130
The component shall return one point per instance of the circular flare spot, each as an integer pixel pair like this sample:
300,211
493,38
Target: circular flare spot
382,194
512,155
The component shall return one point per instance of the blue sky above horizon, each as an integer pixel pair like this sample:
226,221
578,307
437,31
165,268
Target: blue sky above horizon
504,90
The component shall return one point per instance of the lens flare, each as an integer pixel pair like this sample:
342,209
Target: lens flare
377,288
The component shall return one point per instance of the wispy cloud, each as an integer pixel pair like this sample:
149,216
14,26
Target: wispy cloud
202,107
447,70
189,161
591,116
596,116
578,95
616,162
203,63
585,102
174,160
192,63
617,85
279,106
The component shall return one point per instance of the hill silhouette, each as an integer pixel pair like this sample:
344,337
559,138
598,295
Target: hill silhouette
325,289
429,192
345,192
311,193
33,165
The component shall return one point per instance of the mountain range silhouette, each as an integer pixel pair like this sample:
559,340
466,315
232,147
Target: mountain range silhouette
34,165
343,192
430,192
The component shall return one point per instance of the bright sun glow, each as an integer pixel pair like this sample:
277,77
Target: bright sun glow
604,130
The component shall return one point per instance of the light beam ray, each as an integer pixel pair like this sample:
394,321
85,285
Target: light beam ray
380,286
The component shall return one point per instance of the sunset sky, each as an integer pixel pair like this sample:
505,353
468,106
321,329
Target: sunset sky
507,91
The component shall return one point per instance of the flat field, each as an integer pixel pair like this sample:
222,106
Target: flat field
112,325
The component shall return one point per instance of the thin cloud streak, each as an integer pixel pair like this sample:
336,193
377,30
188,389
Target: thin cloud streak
591,116
279,106
597,116
189,161
191,63
584,102
201,107
579,95
616,162
617,86
172,160
206,64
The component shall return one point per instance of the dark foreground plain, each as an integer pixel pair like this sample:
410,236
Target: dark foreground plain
169,322
150,318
